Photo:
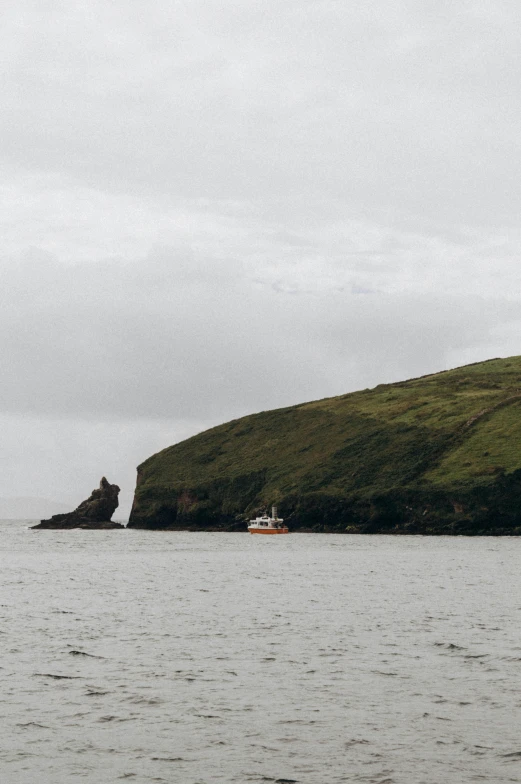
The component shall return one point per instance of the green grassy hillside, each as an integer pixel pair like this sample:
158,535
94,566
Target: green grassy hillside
438,454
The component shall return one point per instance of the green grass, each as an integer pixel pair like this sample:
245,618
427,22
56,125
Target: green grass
425,443
492,445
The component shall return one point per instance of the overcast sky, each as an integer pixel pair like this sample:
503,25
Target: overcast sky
214,208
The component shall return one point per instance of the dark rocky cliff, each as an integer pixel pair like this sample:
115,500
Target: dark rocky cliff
438,454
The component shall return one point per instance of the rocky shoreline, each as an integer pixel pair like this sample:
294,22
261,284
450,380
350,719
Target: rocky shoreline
490,510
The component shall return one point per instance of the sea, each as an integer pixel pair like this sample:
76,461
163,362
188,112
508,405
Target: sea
200,658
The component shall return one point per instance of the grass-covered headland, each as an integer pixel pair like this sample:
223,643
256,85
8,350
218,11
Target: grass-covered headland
434,455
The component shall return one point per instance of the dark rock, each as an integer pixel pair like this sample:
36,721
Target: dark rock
95,512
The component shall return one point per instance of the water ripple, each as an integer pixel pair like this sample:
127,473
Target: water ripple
214,658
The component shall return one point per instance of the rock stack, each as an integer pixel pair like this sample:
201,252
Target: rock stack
93,513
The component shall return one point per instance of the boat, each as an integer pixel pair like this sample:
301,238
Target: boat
268,525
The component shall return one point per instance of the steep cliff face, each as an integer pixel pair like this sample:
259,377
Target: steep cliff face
438,454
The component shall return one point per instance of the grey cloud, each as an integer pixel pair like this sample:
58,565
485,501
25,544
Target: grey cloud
151,340
407,107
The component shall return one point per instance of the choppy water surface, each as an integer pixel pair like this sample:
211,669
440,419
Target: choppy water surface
199,658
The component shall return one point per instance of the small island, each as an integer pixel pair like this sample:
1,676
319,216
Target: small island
93,513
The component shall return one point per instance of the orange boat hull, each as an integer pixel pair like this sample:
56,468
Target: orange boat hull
268,531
